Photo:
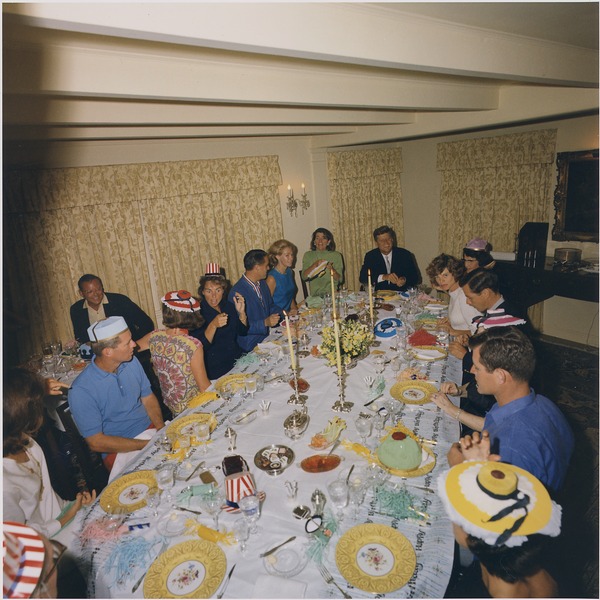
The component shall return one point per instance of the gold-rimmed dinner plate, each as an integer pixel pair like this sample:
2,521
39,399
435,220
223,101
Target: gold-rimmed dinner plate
375,558
185,425
236,380
128,493
388,294
412,392
192,569
429,353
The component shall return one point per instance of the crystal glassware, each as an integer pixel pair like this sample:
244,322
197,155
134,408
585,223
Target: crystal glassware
338,494
251,385
379,362
250,507
202,434
357,487
165,479
153,501
363,427
241,532
212,502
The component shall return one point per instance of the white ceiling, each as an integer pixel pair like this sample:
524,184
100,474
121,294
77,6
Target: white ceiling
343,74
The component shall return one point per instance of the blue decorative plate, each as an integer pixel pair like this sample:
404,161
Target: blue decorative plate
387,327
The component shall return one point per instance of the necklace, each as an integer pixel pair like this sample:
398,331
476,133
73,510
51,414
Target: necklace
35,470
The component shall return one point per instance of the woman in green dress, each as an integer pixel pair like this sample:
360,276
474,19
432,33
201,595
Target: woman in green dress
322,248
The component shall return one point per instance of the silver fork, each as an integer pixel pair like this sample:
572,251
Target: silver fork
328,577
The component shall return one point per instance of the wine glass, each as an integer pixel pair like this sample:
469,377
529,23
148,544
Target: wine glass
165,479
212,502
153,500
305,340
363,427
357,487
251,385
338,494
379,421
202,434
250,507
241,532
379,362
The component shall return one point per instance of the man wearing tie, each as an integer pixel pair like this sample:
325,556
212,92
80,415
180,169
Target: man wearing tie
392,268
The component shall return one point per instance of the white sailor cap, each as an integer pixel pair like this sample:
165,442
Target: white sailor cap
106,329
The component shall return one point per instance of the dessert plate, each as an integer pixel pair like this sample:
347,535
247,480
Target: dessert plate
192,569
289,560
274,459
429,353
128,493
375,558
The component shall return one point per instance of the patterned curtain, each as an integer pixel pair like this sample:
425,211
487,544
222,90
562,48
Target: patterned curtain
61,223
365,192
491,187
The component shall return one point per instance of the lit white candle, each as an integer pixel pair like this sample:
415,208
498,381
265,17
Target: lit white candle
289,191
338,351
291,345
333,294
370,295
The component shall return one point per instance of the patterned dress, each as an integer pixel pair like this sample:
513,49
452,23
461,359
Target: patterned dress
172,361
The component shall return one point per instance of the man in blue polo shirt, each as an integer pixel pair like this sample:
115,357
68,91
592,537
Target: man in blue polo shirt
111,401
523,428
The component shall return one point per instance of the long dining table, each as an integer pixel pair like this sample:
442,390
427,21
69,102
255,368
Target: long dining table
431,538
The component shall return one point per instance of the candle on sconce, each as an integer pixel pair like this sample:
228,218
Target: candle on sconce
289,191
370,295
291,345
338,351
303,189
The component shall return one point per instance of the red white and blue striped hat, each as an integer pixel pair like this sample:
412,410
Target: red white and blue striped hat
212,269
23,554
181,301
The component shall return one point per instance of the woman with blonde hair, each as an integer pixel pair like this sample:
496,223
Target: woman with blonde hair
177,357
280,279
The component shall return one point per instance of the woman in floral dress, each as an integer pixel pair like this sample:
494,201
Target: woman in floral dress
177,357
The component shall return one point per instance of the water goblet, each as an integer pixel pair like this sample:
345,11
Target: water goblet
357,487
241,533
338,494
379,362
305,340
165,479
396,364
363,427
226,392
202,434
251,385
153,501
56,347
379,421
212,502
165,443
442,337
250,507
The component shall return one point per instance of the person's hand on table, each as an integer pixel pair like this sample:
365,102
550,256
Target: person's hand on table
444,403
450,388
55,387
477,447
272,320
393,278
457,350
220,320
82,499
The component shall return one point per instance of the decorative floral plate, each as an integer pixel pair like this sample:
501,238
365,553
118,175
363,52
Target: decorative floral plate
429,353
128,493
412,392
185,425
192,569
375,558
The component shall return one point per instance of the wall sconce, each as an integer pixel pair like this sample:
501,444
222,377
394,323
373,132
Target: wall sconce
292,203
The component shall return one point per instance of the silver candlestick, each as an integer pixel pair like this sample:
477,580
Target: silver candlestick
341,404
297,398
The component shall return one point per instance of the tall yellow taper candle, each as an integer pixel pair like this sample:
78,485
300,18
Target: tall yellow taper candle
333,294
289,335
338,351
370,295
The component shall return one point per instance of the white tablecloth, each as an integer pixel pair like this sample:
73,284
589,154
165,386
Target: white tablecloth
433,543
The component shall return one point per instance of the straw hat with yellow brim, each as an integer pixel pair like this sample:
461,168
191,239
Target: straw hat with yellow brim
498,503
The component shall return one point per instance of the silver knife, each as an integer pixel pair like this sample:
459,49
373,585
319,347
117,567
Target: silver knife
198,466
220,594
139,581
275,548
371,401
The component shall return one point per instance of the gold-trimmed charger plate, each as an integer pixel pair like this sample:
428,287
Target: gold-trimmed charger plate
412,392
192,569
128,492
429,353
388,294
375,558
185,425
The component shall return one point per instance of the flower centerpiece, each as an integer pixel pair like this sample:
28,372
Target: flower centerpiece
355,339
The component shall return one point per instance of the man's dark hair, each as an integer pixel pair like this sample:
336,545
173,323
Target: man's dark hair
327,234
455,267
253,258
385,229
87,278
506,348
22,408
481,279
483,257
511,564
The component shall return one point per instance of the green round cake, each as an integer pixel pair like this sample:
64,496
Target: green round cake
400,451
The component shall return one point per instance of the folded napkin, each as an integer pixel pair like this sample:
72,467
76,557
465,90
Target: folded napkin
270,586
431,354
314,302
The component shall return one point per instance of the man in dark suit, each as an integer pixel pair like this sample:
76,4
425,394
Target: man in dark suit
392,268
96,305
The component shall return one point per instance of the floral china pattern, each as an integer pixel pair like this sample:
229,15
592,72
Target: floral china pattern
374,558
185,576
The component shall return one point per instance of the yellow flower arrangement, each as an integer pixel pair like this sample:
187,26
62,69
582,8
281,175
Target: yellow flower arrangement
355,339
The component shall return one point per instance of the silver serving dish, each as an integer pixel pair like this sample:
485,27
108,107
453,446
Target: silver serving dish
274,459
296,424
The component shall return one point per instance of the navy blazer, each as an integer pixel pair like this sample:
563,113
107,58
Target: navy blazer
137,320
403,265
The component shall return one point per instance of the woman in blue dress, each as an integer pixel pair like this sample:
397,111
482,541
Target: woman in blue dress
280,278
223,322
